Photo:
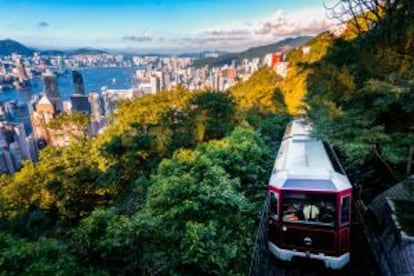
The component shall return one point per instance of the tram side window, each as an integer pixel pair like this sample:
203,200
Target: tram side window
345,210
273,206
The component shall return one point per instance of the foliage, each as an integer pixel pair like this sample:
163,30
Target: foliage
190,201
172,186
360,97
241,155
63,185
213,114
43,257
74,125
108,241
259,92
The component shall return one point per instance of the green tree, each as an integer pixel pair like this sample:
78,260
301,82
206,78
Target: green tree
107,240
195,221
213,114
41,257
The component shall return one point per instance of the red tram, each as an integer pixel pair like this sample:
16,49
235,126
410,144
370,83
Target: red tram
310,201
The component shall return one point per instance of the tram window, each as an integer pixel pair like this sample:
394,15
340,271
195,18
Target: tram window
345,210
274,206
306,208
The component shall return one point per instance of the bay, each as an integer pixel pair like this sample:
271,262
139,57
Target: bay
94,79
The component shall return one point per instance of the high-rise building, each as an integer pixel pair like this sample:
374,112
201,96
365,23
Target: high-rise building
44,112
52,91
31,143
161,76
67,107
21,71
276,58
78,82
6,161
80,103
20,137
155,84
111,96
96,104
18,112
16,154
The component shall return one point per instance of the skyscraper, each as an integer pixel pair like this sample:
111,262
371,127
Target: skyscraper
6,161
97,106
16,154
97,111
155,84
80,103
21,71
51,90
43,114
78,82
21,138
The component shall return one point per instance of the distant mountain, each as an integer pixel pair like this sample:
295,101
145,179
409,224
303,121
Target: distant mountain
204,54
86,51
8,46
259,51
52,52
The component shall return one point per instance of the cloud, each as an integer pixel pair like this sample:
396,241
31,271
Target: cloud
43,24
213,37
146,36
277,20
210,40
281,24
226,33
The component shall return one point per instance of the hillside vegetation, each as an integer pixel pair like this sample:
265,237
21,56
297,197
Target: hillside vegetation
361,95
171,187
174,184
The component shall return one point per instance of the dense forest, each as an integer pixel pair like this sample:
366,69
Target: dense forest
360,95
174,184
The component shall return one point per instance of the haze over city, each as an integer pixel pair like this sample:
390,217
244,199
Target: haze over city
162,25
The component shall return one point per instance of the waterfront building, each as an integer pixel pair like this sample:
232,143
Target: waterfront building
96,105
155,83
111,96
51,90
78,82
80,103
67,107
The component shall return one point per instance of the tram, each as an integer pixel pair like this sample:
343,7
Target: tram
309,214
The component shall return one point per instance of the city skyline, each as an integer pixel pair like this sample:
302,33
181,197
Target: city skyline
161,25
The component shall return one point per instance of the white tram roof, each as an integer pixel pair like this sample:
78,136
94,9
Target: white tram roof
303,164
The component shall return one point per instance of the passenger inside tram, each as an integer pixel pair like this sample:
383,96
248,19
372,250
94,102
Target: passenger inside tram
307,211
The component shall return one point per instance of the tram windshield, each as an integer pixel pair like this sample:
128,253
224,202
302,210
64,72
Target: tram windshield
309,208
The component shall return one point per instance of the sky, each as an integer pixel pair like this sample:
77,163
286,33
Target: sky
159,25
